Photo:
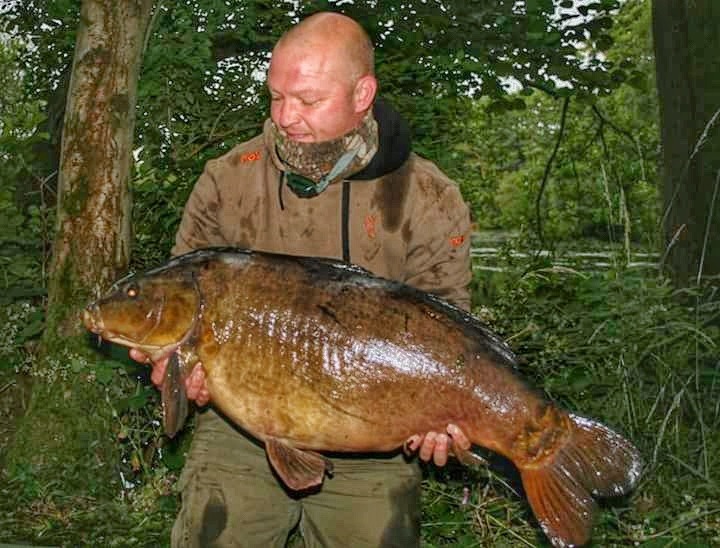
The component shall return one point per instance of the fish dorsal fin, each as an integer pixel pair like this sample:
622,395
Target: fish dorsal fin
298,469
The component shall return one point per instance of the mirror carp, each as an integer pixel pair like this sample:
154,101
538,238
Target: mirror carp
310,355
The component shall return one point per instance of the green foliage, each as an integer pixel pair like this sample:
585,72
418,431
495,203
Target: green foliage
601,183
142,469
72,520
18,116
23,228
159,198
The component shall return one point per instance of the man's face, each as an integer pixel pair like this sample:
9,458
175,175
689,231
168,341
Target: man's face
312,93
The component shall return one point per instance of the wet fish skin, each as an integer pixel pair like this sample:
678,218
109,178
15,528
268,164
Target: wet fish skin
313,355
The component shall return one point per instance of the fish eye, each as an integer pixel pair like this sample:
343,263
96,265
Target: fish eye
132,291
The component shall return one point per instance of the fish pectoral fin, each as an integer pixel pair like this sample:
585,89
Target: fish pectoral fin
298,469
174,397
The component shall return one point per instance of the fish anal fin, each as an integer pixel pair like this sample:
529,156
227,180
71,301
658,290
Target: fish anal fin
468,458
298,469
174,397
592,461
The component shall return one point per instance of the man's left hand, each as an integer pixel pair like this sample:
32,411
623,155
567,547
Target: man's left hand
438,445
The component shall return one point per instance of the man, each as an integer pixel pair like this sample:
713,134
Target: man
332,175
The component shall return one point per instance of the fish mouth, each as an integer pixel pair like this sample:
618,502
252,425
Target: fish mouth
92,320
94,323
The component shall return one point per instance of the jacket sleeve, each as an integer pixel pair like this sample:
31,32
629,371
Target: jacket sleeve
438,259
199,226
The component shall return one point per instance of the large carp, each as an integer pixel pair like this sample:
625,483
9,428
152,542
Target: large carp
312,354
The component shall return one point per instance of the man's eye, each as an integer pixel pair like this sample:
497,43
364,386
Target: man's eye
309,102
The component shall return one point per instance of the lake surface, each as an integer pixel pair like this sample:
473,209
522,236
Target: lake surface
490,251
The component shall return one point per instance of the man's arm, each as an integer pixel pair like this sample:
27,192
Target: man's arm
439,254
199,226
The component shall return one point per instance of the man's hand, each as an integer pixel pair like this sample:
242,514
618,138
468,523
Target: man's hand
438,445
195,387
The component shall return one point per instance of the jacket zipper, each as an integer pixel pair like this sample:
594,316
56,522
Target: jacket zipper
346,221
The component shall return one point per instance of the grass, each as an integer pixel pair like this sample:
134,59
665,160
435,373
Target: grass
621,346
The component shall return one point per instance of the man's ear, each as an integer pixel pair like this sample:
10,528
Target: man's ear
364,94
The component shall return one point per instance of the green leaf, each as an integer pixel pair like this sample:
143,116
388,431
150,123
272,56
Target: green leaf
104,374
77,365
173,460
138,401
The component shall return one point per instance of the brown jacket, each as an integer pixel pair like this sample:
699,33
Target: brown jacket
410,224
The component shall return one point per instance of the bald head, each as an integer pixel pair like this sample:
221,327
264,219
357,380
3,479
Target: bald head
321,78
335,32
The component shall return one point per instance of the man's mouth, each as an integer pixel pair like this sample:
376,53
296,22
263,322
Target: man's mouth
300,137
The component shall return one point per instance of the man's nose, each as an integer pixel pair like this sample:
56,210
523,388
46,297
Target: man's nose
287,114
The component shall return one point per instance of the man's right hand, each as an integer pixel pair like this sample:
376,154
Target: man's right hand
195,386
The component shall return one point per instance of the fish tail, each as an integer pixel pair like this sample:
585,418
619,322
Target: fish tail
593,461
174,397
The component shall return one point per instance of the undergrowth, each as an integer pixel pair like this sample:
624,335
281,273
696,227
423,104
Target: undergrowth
620,346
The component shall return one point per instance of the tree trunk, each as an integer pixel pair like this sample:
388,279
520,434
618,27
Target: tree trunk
687,40
66,435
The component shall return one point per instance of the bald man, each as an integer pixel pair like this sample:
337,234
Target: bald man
331,175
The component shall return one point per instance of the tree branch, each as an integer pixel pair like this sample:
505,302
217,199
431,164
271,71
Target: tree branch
548,167
151,25
619,130
541,87
214,139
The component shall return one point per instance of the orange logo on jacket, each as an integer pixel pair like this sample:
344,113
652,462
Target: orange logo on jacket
370,226
250,156
457,241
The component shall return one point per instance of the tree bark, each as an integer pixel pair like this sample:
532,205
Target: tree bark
67,423
686,41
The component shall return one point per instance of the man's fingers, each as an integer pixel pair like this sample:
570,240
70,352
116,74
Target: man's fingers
440,452
195,386
459,438
203,397
438,446
412,443
428,446
139,356
157,376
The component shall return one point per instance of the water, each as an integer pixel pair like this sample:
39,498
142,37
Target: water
488,254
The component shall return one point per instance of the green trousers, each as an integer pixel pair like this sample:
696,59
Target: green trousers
231,497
